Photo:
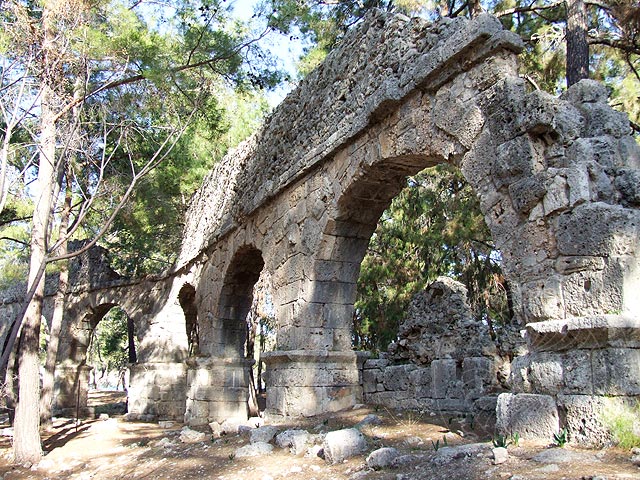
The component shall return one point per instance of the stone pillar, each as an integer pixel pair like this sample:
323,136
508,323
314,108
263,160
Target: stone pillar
218,390
71,390
157,389
311,382
585,366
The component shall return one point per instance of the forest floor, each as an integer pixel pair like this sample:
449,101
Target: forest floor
115,449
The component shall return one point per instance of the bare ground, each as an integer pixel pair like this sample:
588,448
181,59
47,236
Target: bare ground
115,449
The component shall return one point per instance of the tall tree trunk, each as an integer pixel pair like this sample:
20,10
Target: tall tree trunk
26,441
577,42
48,378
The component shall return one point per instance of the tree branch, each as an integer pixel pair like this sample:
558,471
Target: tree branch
137,78
531,8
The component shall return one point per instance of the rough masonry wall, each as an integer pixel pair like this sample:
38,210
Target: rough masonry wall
444,360
378,64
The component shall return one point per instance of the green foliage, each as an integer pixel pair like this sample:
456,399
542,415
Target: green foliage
623,421
561,438
436,445
433,227
108,350
515,439
501,441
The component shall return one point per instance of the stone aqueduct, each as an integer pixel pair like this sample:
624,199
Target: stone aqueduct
558,181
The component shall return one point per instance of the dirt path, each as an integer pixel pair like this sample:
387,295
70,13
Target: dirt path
115,449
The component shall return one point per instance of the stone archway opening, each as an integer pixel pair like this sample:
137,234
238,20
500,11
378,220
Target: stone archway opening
112,348
95,373
223,382
187,300
432,228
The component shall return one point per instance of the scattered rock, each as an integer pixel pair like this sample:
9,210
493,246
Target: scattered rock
254,450
413,441
342,444
103,416
146,418
636,460
447,454
500,455
382,458
165,443
230,427
562,455
295,440
406,460
263,434
165,424
371,419
191,436
7,432
130,417
216,429
245,429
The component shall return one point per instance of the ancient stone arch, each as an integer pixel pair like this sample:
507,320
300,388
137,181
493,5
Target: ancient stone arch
558,181
555,178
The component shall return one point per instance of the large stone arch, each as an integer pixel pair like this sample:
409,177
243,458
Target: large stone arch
311,186
557,180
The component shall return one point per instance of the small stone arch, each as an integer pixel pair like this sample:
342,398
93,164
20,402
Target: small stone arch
72,372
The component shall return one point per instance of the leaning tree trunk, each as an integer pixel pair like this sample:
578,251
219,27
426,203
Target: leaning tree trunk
577,42
26,441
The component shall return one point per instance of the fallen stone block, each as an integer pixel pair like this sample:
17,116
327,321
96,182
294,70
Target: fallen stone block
382,458
254,450
342,444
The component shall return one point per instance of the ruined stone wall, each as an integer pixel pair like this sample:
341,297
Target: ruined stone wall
444,360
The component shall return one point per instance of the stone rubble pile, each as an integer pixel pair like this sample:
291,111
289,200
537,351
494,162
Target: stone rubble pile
444,360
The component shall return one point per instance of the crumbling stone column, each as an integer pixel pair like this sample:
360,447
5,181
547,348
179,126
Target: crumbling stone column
574,178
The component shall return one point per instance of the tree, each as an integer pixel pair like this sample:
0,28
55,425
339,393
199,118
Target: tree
108,54
577,43
433,227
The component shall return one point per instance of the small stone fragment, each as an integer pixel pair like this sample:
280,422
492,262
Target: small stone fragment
500,455
192,436
382,458
254,450
263,434
342,444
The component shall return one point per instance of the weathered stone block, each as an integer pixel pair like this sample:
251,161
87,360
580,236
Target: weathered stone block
477,376
583,415
444,377
616,371
370,380
396,377
527,192
531,416
598,230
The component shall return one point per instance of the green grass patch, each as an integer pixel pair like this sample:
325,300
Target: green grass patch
623,421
